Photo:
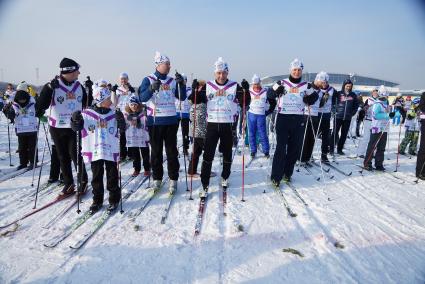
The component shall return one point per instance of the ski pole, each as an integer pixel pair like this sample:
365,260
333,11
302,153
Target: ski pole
243,147
315,134
35,154
8,137
302,147
193,145
181,120
119,168
78,172
39,175
398,148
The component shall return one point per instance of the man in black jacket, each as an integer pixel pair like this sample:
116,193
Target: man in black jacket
346,107
63,96
420,162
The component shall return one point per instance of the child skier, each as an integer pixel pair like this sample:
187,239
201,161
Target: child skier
23,113
412,126
100,128
379,129
137,135
120,97
260,107
198,124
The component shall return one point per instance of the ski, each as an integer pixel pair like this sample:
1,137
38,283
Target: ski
167,207
80,221
54,201
325,170
294,189
249,162
96,226
151,194
387,174
279,192
16,173
200,216
338,170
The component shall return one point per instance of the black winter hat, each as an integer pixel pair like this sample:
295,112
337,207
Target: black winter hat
68,66
22,96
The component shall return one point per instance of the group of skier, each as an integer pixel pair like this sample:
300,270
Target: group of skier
105,125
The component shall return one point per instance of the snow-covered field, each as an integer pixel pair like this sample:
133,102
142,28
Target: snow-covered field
378,219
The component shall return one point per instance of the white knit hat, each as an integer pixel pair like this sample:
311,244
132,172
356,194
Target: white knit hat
322,76
160,58
100,91
23,86
296,63
123,75
220,65
255,79
382,91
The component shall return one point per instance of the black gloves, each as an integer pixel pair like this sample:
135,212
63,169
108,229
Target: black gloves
195,85
114,88
410,117
39,113
278,88
131,89
179,79
77,121
154,87
245,85
391,114
54,84
119,116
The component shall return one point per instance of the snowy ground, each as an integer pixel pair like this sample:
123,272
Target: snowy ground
380,221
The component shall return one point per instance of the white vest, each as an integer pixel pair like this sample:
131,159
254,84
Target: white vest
136,137
99,137
314,108
123,97
25,120
379,125
327,107
184,106
223,108
65,101
162,103
258,103
11,95
292,102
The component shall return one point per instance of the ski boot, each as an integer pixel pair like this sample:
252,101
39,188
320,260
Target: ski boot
112,207
275,183
156,185
203,192
68,189
286,179
380,168
95,207
172,187
224,183
135,173
324,159
147,173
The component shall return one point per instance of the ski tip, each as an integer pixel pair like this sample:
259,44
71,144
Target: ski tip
293,214
350,174
339,245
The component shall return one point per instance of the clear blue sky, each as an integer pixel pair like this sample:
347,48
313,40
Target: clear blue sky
383,38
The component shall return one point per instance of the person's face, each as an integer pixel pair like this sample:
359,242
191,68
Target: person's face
375,94
221,76
123,81
133,107
256,86
348,88
325,84
71,77
106,103
9,88
296,73
164,68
